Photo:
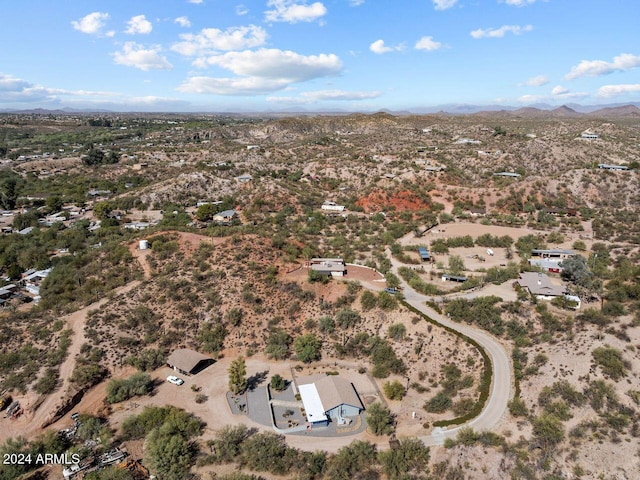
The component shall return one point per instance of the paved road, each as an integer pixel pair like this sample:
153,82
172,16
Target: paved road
500,392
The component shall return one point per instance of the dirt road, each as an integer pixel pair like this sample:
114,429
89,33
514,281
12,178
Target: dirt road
30,423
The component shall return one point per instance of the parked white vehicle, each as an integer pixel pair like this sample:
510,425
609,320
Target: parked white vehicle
175,380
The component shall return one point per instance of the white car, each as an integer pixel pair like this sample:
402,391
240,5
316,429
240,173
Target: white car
175,380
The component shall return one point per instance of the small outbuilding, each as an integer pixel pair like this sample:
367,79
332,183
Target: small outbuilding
188,362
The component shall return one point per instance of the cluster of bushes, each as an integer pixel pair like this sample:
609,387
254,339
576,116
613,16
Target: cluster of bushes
380,352
419,285
453,381
168,433
148,359
482,311
268,452
136,385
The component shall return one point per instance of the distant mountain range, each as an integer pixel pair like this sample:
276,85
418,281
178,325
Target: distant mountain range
532,111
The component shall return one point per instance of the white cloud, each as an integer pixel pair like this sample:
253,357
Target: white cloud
139,24
241,10
197,2
325,95
428,44
183,22
278,64
443,4
530,98
137,56
16,90
356,3
500,32
594,68
232,86
519,3
211,40
262,71
537,81
292,12
379,47
559,90
615,90
92,23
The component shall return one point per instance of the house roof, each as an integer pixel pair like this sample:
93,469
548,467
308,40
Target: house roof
545,263
330,390
540,284
538,251
226,214
186,359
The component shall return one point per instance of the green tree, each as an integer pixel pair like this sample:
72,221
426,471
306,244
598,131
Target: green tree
456,265
576,270
278,344
228,443
394,390
278,383
307,348
206,212
138,384
611,361
237,376
379,419
410,456
354,461
169,455
397,331
346,318
548,430
265,451
368,300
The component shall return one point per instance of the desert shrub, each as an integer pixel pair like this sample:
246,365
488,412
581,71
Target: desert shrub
410,456
379,419
307,348
278,344
387,301
266,452
148,359
278,383
211,337
47,382
136,385
355,460
326,324
440,403
368,300
518,408
397,331
610,361
548,430
481,311
394,390
346,318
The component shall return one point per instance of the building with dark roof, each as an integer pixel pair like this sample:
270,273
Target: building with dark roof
188,362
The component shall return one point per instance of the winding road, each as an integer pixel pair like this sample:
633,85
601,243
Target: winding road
500,392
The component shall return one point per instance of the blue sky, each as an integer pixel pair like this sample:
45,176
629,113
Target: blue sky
360,55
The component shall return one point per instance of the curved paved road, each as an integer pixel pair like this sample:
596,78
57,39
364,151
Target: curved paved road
500,392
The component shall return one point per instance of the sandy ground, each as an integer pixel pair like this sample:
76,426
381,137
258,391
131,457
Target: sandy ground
215,411
30,423
368,277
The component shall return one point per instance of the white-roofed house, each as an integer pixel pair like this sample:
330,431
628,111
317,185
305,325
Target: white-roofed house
328,397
